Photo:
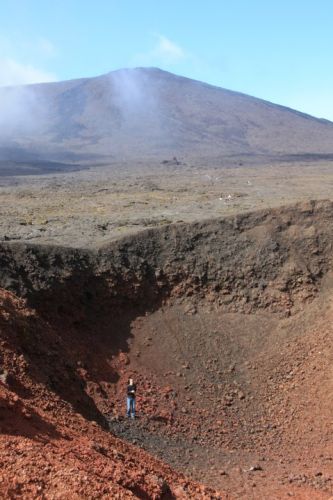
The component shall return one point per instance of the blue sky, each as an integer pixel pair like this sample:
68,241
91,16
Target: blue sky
281,51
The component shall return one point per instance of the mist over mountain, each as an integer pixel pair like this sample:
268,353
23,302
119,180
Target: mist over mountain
147,113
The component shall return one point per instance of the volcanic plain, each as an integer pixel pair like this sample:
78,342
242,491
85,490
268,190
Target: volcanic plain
92,206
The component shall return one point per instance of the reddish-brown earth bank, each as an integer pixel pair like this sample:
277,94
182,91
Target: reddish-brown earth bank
226,327
48,449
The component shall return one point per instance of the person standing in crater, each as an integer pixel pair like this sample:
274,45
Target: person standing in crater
131,390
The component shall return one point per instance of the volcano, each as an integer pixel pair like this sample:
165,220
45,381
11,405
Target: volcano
146,113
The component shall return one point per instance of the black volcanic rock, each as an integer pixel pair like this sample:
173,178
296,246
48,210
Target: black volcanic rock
142,113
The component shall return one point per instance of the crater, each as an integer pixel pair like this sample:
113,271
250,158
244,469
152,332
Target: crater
225,325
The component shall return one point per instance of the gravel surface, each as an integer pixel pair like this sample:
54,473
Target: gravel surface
92,207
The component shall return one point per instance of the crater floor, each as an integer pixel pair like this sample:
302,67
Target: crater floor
237,401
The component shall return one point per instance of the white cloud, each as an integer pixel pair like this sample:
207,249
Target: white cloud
165,51
13,72
22,60
168,50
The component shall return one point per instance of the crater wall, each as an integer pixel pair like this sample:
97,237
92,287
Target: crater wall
269,259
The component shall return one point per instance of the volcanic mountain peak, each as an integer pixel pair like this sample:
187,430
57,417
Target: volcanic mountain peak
147,113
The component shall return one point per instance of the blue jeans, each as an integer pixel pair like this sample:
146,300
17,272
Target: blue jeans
130,406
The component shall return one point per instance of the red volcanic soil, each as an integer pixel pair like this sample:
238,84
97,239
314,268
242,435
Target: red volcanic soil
278,424
48,450
256,422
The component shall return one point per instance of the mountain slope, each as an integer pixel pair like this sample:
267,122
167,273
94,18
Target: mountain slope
148,113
